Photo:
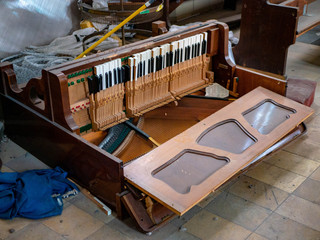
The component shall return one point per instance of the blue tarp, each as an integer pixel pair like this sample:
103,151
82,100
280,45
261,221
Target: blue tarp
34,194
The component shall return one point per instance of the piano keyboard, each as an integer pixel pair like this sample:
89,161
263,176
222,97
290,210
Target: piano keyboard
141,82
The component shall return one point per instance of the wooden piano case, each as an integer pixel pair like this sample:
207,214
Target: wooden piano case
206,143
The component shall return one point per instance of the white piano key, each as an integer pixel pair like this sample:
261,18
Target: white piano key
155,54
163,54
103,71
118,66
206,39
112,65
131,64
136,62
181,47
201,41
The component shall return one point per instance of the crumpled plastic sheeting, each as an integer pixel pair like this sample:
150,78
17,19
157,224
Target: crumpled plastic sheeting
30,62
175,28
29,65
72,45
100,4
34,22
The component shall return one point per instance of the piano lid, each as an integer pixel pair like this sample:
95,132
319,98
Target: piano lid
185,169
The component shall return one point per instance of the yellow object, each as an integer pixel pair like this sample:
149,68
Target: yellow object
113,30
154,142
160,7
86,24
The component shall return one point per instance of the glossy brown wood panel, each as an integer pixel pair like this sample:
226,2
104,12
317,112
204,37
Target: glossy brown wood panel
250,79
100,172
35,93
141,172
266,32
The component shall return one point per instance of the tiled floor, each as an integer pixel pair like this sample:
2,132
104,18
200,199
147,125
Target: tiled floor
278,199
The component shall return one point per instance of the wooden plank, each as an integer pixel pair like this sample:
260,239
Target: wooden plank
141,172
250,79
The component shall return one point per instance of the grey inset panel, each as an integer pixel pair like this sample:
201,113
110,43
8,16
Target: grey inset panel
228,135
267,115
188,168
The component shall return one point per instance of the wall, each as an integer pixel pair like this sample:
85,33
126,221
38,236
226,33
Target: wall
193,7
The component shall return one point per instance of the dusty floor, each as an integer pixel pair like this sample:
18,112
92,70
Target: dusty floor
278,199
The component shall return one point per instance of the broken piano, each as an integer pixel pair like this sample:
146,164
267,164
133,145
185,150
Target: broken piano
62,116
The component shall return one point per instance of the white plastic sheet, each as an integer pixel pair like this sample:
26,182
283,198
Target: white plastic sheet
34,22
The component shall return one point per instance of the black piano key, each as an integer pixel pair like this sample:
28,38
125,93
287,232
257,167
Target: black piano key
119,74
186,53
192,51
163,61
157,63
140,69
105,79
152,65
115,76
100,82
176,57
160,63
127,73
195,49
181,55
171,59
95,84
110,79
167,59
204,47
90,81
198,49
123,74
144,68
149,66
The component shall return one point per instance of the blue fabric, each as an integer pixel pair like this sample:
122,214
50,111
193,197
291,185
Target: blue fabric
34,194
